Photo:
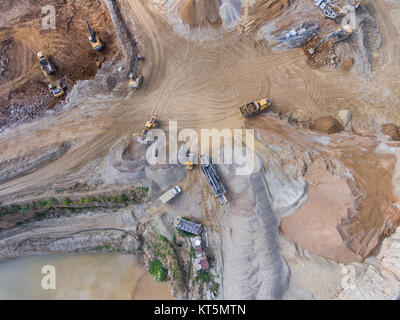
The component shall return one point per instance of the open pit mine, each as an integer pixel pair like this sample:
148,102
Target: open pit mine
200,149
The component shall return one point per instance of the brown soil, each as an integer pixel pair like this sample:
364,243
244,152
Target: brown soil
200,13
392,131
23,88
328,125
321,55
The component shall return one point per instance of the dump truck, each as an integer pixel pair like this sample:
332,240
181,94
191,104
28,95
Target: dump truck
170,194
135,81
254,108
45,63
210,172
340,34
94,41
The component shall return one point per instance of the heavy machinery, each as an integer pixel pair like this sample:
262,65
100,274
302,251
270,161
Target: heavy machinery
253,108
136,81
300,34
55,88
170,194
152,123
94,41
45,63
210,172
189,161
340,34
329,9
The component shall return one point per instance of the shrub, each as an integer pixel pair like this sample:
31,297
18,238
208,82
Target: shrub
66,201
158,271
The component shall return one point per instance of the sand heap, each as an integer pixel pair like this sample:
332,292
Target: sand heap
197,13
327,125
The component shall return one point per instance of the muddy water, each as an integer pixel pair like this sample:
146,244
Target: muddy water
88,276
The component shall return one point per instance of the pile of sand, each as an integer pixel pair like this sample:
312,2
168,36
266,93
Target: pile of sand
392,131
200,13
328,125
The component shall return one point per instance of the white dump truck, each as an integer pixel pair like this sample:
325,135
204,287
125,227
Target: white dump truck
170,194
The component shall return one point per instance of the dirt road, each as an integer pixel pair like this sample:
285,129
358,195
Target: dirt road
200,85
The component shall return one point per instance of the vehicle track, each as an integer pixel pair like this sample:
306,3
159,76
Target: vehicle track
200,85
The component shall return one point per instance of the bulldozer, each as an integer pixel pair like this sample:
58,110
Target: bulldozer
340,34
94,41
45,63
55,88
135,81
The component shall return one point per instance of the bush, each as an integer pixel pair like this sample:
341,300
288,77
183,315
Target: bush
66,201
158,271
122,198
88,200
25,207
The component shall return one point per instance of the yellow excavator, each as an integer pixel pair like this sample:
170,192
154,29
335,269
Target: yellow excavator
94,41
55,88
135,81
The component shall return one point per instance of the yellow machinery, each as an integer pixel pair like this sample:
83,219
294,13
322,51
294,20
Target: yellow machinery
189,162
135,81
340,34
254,108
94,41
152,123
55,88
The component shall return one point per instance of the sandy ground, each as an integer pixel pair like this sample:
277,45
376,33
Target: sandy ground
201,84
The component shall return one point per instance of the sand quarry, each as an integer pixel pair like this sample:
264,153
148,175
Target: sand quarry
326,189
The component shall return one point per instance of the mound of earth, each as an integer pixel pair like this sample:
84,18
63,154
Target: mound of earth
327,124
392,131
199,13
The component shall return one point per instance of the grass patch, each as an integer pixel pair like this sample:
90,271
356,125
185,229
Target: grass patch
158,271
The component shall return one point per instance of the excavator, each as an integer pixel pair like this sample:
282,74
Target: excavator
340,34
94,41
136,81
55,88
45,63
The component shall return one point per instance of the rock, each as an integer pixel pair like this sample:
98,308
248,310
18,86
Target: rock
392,131
327,124
345,117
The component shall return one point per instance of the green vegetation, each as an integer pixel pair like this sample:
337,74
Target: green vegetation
204,275
158,271
41,207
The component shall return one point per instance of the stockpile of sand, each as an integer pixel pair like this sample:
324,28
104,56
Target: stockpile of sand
327,125
197,13
256,13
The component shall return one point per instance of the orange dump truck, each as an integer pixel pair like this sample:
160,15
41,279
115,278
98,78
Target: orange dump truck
254,108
